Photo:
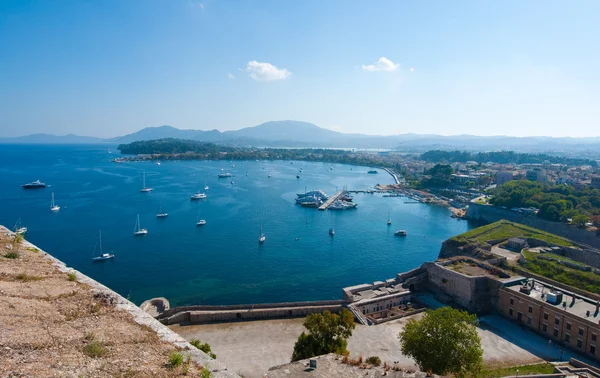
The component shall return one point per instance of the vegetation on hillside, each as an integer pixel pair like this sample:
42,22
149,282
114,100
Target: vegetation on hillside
588,281
327,333
444,341
555,202
440,176
501,157
179,149
504,229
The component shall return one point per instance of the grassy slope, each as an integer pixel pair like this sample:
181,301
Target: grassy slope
544,368
504,229
588,281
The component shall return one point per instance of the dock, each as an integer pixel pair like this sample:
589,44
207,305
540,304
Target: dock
391,172
330,200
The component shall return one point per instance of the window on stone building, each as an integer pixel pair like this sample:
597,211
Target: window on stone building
545,327
579,343
510,311
567,338
580,331
556,320
592,349
512,301
545,316
529,320
555,332
530,309
569,326
593,337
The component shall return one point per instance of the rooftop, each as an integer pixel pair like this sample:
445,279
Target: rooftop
575,304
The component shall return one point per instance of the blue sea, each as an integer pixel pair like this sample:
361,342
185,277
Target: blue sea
221,262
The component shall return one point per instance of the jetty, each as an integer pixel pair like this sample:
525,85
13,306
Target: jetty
331,200
391,172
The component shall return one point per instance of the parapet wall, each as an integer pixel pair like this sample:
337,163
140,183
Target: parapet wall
490,214
214,314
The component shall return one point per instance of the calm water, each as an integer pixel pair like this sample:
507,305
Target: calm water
222,262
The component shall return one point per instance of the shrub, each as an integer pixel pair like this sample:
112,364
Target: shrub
26,278
374,360
71,276
93,348
12,255
175,359
203,347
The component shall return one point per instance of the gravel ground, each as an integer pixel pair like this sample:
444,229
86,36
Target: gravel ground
51,326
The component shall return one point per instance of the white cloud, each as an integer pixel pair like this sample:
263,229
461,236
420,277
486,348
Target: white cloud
196,4
265,71
230,76
383,64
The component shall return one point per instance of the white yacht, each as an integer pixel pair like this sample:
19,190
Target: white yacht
206,187
201,222
144,188
103,256
53,206
400,233
138,231
224,175
389,222
161,214
20,229
197,196
262,237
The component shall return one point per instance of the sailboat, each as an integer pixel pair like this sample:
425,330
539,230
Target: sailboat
138,229
19,229
157,162
262,237
389,222
103,256
53,206
144,188
161,214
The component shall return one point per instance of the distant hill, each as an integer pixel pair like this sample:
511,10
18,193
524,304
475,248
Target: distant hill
161,132
52,139
304,134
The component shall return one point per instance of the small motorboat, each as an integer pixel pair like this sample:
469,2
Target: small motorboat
400,233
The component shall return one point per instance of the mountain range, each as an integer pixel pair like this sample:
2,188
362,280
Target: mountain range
304,134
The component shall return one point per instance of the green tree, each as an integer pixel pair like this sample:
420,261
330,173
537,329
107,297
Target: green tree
443,342
327,333
580,220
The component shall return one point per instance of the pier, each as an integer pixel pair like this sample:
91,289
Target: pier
391,172
330,200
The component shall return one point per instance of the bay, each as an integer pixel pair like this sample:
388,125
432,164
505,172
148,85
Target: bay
221,262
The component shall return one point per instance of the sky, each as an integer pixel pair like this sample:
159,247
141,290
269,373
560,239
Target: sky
107,68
